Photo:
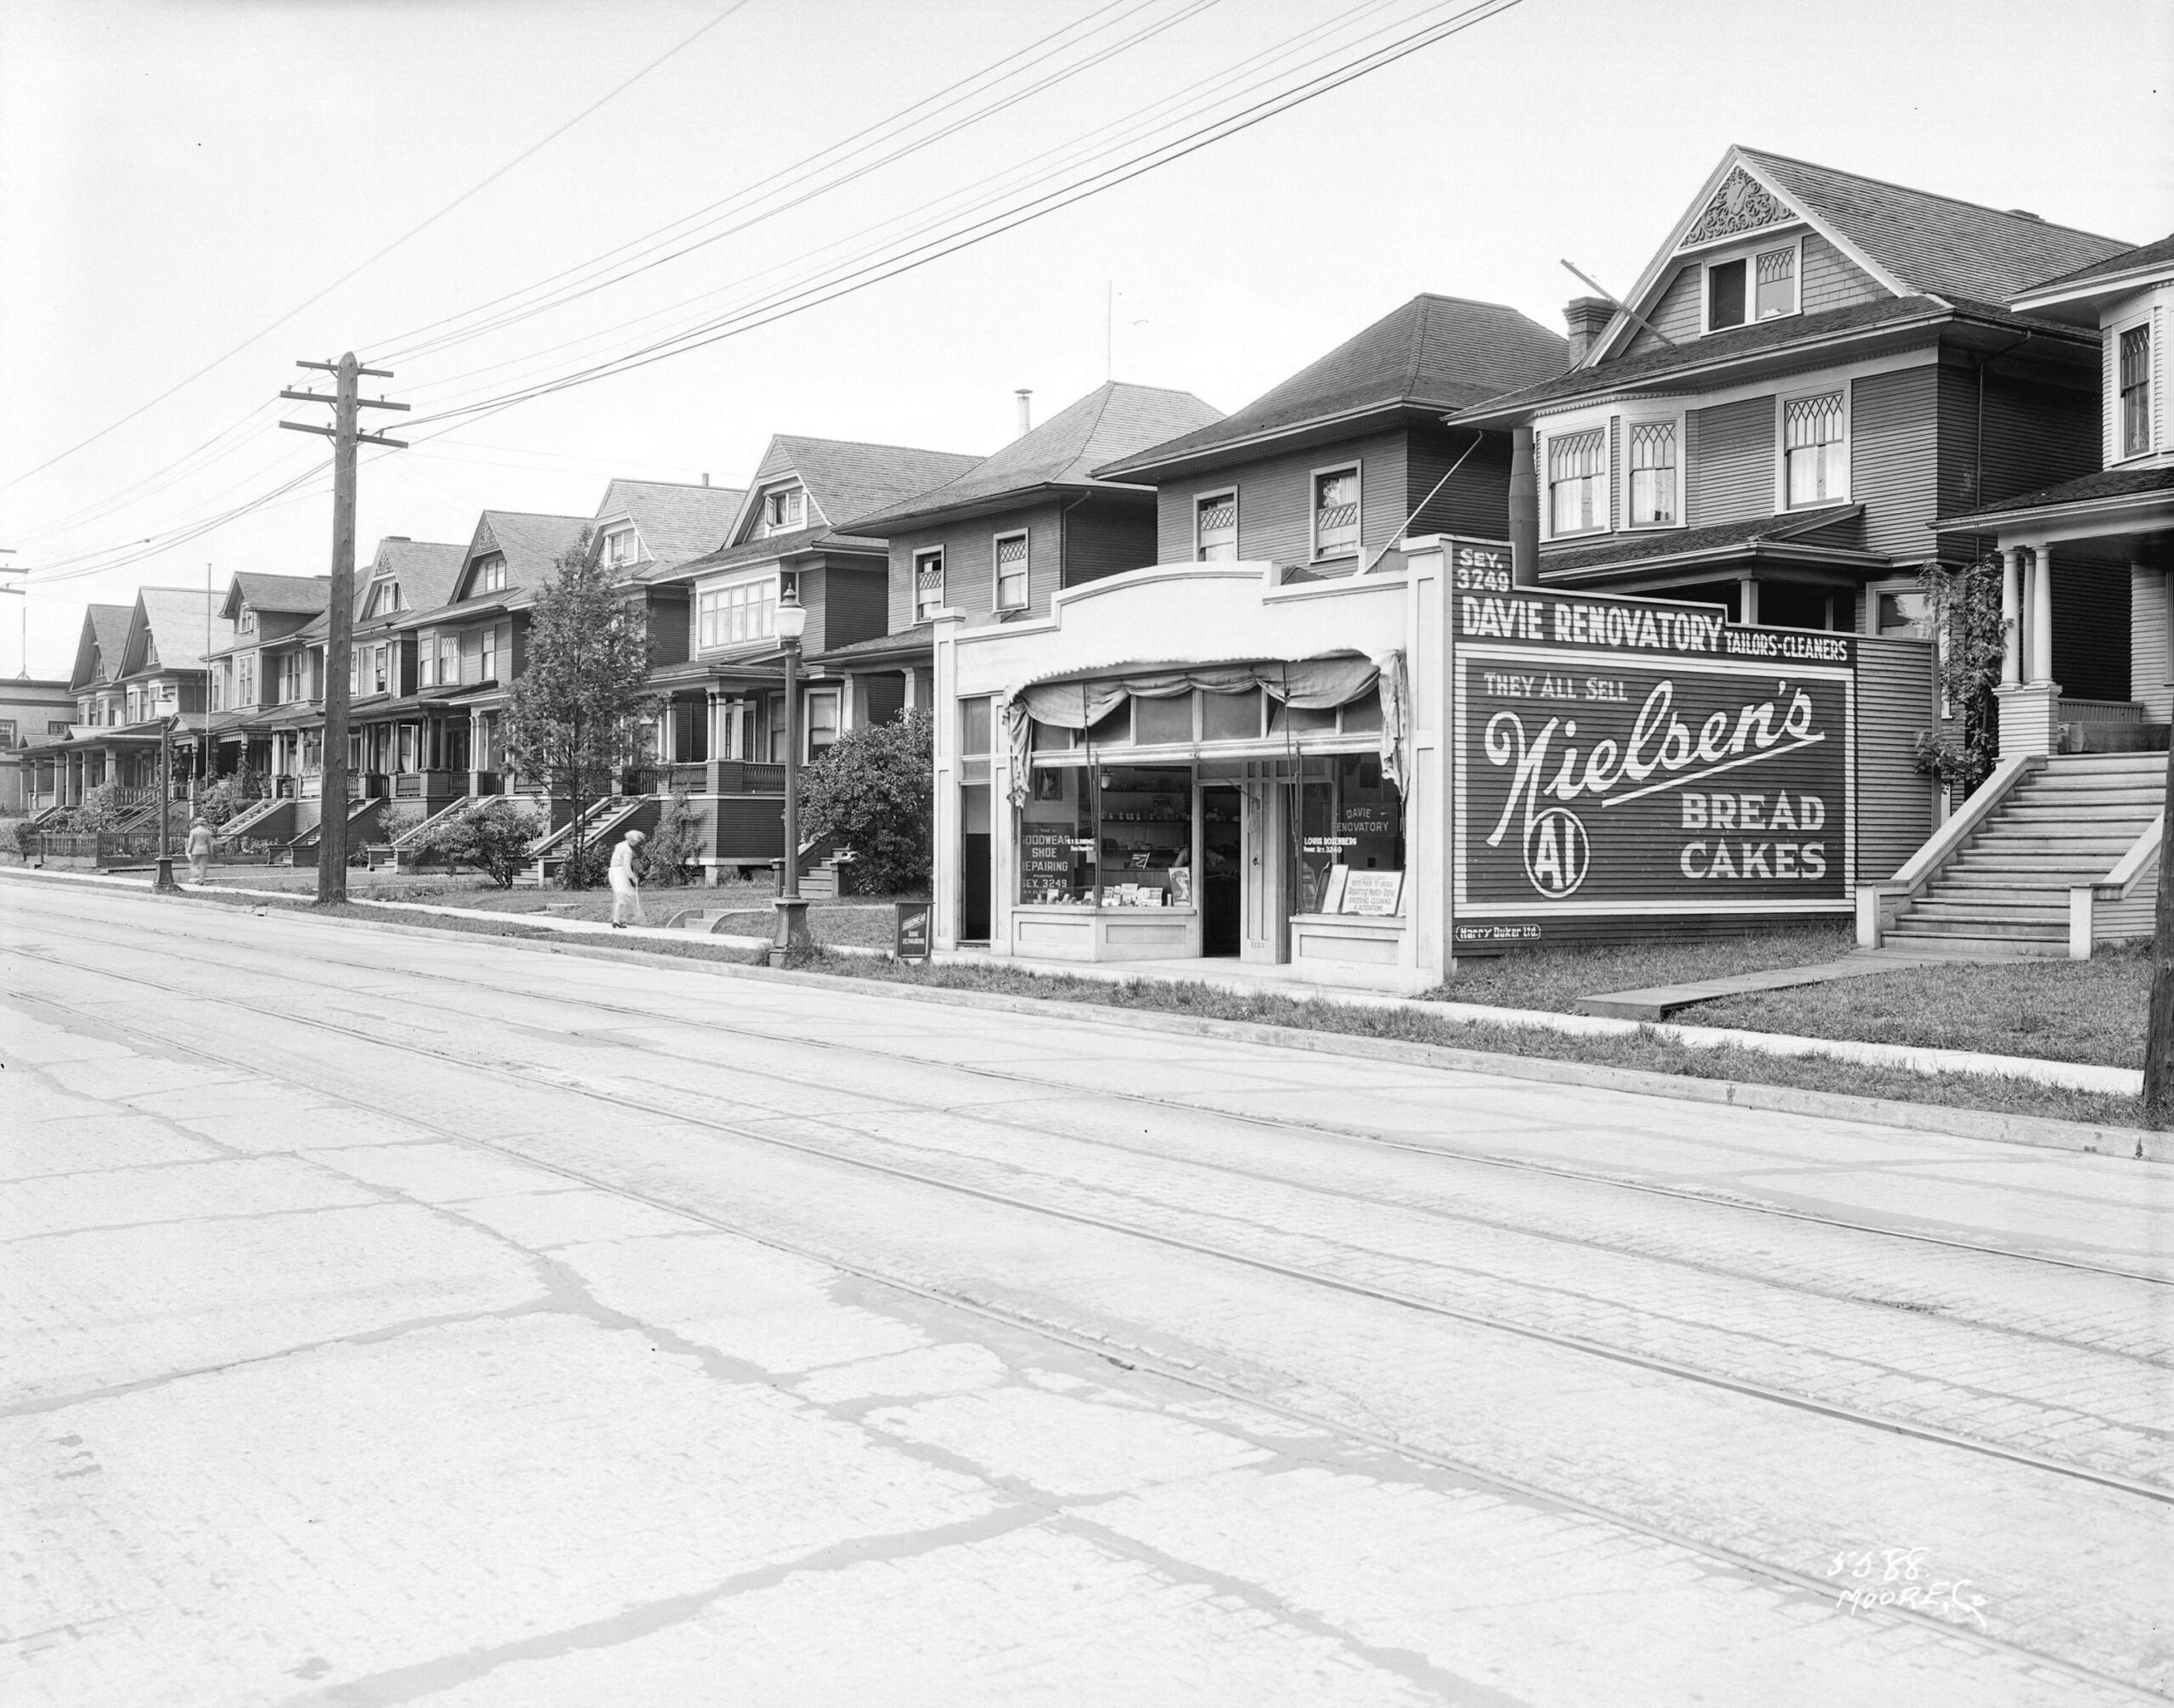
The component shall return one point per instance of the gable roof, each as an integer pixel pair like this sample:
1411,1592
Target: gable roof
2131,269
1435,353
426,570
302,596
845,479
532,544
175,622
675,521
1911,242
1114,421
104,635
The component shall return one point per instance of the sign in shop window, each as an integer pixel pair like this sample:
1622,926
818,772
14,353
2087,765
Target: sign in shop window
1351,837
1108,836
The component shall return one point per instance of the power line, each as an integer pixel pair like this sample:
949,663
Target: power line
413,231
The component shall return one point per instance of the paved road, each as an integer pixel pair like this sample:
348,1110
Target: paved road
398,1317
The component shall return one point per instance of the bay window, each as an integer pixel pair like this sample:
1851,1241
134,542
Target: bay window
736,614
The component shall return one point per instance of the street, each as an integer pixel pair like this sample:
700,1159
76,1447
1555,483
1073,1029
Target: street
406,1316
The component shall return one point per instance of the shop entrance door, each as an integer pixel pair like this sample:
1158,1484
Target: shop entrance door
974,865
1222,860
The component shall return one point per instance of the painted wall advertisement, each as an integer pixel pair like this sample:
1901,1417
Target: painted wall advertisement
1632,756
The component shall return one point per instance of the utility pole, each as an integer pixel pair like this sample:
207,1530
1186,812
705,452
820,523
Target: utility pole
339,645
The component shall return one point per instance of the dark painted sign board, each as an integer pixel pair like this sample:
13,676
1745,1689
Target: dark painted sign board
1634,757
912,935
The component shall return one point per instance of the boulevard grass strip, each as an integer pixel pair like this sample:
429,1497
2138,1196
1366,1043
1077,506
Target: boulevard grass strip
1644,1050
1552,978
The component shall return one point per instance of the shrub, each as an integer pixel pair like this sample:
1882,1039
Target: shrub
491,836
224,796
670,854
584,867
873,793
100,809
1972,636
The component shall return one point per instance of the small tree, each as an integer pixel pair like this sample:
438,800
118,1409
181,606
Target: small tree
873,792
493,836
670,854
1965,614
222,800
579,701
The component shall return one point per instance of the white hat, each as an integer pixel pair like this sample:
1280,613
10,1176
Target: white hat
636,837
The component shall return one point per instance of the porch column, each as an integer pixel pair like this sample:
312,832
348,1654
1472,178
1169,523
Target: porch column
913,689
1747,599
2041,616
2011,616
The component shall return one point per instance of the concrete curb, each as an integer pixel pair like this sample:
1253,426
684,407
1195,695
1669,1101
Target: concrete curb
2038,1132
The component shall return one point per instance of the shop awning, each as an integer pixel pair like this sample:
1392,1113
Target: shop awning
1318,684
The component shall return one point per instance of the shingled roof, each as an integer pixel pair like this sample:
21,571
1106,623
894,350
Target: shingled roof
175,622
1113,421
105,628
1435,353
675,521
846,480
1936,244
2145,259
295,594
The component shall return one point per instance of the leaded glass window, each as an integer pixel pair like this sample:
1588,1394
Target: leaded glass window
1776,294
1652,474
1011,572
2136,390
1577,482
1336,513
1816,447
1216,527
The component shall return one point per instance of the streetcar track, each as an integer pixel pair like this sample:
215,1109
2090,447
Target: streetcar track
1576,1343
1177,1373
1353,1135
976,1113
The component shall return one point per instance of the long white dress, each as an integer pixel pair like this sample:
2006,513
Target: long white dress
626,895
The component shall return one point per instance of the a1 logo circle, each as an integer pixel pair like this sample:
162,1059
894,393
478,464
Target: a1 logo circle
1557,852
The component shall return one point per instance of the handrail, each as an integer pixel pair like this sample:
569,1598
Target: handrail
1963,823
2129,869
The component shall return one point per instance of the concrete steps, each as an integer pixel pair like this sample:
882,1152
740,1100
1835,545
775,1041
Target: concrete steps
2006,893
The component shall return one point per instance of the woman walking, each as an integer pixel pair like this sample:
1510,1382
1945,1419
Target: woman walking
626,887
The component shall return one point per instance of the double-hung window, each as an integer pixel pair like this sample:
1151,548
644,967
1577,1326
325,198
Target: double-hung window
928,584
1215,528
1753,287
822,722
2136,390
1335,513
1814,450
619,548
1652,474
380,669
1011,572
1577,482
491,573
490,655
448,661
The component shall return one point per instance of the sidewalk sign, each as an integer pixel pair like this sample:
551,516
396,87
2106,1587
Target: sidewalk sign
912,935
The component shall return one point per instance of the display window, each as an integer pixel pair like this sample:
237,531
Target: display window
1108,836
1350,836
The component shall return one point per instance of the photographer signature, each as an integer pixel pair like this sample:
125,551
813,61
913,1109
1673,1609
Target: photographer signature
1898,1577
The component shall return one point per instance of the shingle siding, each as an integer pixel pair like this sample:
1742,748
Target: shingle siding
1731,468
853,606
1833,280
1678,314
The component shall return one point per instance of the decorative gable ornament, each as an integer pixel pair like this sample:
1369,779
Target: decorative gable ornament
1741,204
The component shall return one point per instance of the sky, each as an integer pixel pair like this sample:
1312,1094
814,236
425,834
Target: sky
184,183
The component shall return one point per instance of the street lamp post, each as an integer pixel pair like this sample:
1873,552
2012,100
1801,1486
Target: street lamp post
791,933
164,879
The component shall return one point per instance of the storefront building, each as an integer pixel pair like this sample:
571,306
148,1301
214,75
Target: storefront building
1364,778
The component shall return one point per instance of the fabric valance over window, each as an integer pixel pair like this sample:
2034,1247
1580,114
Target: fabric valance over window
1307,684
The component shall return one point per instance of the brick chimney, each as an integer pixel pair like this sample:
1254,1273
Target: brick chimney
1586,318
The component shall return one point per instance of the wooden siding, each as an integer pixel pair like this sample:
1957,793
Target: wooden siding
671,624
2036,435
1476,501
2092,637
1894,460
1275,501
1106,533
1897,697
2151,656
1677,313
883,697
1831,281
1731,467
970,564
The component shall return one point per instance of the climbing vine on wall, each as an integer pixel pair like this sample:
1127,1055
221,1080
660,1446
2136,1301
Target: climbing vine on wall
1964,615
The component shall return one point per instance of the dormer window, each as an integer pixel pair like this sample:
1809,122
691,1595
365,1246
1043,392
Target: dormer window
2136,390
1762,286
619,548
248,624
782,510
491,573
384,597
